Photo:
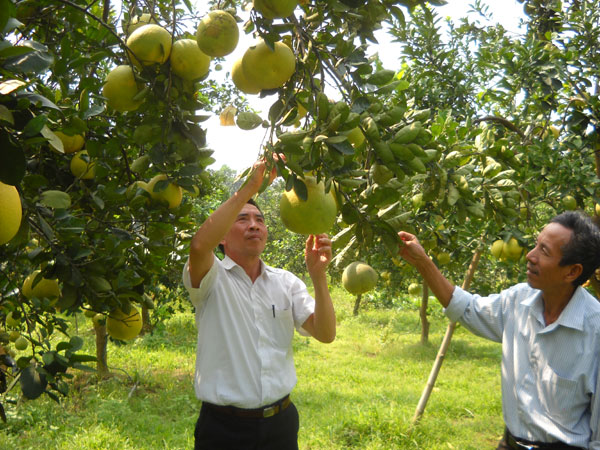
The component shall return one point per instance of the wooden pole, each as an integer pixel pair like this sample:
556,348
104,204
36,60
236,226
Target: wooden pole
437,365
423,314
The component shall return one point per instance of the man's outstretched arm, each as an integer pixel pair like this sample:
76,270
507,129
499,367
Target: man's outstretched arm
321,324
212,231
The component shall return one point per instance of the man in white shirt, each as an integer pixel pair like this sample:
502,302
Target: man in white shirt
246,313
549,328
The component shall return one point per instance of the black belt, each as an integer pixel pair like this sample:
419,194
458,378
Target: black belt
256,413
523,444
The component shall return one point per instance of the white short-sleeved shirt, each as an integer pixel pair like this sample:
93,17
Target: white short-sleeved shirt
550,373
244,351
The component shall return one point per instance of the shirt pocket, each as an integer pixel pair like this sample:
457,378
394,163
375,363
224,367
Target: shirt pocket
561,397
280,325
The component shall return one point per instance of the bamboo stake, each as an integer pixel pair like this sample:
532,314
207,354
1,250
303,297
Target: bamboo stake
444,346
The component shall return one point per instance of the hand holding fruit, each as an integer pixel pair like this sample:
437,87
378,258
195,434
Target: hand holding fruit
317,253
412,250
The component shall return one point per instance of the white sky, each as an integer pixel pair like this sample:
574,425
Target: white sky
238,149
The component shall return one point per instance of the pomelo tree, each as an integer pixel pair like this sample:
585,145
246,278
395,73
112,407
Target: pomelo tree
457,144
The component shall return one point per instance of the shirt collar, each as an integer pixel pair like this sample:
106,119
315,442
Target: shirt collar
229,264
571,316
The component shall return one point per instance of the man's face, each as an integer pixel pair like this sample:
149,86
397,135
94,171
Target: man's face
248,234
543,271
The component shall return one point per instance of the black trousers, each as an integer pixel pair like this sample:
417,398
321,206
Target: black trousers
216,430
504,444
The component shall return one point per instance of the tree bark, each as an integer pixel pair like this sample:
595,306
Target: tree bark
101,354
357,304
423,315
437,365
146,325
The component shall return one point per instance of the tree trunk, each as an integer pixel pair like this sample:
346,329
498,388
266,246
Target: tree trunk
101,342
444,347
357,304
146,325
423,314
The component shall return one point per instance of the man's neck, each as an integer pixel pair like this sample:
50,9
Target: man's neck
556,302
251,265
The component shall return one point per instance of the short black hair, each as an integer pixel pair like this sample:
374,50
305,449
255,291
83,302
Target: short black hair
583,247
253,203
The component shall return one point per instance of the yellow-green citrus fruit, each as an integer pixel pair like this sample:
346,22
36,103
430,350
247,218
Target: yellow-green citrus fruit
150,44
137,22
415,289
275,9
497,248
356,137
358,278
120,88
21,343
569,202
188,61
10,212
315,215
45,288
11,321
443,258
14,335
240,80
266,68
596,210
512,249
81,168
171,196
124,326
217,33
71,144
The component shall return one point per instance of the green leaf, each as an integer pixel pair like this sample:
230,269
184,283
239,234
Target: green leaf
6,115
33,384
36,61
14,51
12,161
35,125
53,139
300,189
55,199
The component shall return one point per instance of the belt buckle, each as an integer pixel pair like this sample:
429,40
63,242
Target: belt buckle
270,411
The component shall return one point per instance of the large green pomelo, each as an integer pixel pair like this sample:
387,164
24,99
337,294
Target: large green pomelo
315,215
359,277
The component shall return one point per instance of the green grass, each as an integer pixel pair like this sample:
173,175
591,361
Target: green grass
359,392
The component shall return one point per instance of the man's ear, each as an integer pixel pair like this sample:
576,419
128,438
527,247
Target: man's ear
574,272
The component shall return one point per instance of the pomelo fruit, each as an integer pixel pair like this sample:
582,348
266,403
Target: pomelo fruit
149,44
217,33
266,68
171,195
137,22
358,278
45,288
120,88
86,170
315,215
240,80
188,61
275,9
71,144
124,326
10,212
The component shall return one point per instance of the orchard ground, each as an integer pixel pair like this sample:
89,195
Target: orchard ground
358,392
